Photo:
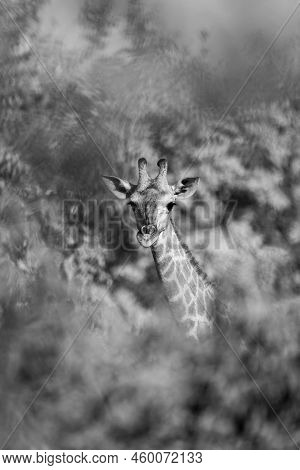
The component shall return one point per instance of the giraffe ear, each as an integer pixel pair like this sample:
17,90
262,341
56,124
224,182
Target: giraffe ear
186,188
120,188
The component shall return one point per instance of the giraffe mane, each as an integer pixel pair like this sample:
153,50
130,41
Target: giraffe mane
191,257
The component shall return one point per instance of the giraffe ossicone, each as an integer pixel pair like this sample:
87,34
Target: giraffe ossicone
187,288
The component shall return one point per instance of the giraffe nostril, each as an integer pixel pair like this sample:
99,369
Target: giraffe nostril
148,229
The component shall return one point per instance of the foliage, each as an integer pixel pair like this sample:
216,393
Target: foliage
131,380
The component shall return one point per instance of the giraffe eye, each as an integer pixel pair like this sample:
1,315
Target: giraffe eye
170,206
132,204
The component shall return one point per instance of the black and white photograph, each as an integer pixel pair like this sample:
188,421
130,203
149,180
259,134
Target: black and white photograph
149,230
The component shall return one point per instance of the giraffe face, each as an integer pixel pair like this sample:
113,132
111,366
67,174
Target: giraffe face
152,208
151,200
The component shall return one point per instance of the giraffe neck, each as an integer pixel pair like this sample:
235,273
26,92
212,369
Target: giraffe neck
187,288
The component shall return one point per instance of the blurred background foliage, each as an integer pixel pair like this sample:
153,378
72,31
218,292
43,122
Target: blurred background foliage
86,88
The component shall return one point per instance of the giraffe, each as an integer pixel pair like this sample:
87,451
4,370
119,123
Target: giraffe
187,288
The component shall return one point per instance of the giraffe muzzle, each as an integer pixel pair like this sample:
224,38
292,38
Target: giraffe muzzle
148,230
147,235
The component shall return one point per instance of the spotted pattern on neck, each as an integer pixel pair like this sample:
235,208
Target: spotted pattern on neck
187,288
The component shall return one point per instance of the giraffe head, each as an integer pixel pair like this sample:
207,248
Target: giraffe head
151,199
